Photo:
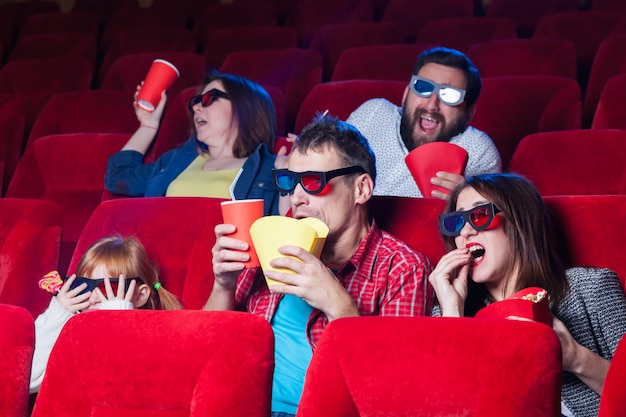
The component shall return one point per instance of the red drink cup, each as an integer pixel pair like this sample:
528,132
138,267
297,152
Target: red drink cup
159,78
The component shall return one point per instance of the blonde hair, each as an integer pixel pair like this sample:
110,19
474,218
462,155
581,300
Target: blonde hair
126,255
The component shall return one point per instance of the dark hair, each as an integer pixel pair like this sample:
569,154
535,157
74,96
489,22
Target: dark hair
343,138
528,226
456,59
253,112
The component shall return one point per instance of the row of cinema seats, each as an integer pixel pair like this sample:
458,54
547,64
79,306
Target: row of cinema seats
203,368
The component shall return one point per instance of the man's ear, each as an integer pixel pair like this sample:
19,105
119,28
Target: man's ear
406,92
141,296
364,188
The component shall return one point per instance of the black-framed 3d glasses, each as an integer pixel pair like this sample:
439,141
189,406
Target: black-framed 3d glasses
479,217
92,284
313,182
447,94
206,99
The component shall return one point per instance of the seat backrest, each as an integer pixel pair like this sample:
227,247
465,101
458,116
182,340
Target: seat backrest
614,389
462,32
173,229
97,111
53,45
434,366
573,162
17,343
13,127
30,235
296,71
378,62
582,238
85,22
159,363
610,5
46,75
515,57
527,13
510,108
611,109
412,220
341,98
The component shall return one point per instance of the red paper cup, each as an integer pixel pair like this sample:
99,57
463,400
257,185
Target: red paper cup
242,213
159,78
426,160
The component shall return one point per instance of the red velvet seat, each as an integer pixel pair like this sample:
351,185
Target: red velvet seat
526,13
17,343
19,11
412,220
412,15
578,221
96,111
54,45
612,400
341,98
568,162
609,61
462,32
510,108
378,62
104,9
296,71
611,110
221,42
615,6
178,233
515,57
69,170
13,127
72,22
159,363
433,366
332,40
128,71
30,234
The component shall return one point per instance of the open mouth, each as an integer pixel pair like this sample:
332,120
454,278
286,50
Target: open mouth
200,122
477,251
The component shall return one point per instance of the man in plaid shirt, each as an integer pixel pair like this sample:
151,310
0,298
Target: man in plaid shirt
362,270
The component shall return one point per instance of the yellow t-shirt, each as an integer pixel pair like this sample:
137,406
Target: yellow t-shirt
196,182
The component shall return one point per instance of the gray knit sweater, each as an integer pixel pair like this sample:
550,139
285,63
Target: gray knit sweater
594,311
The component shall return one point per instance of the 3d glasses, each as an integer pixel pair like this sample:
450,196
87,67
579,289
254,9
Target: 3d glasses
480,218
449,95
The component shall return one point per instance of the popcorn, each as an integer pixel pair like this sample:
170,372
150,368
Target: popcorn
51,282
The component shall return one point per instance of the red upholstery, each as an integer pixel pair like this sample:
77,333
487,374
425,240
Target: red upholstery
73,22
159,363
296,71
574,162
221,42
69,170
527,13
378,62
30,234
612,400
176,231
609,61
332,40
21,10
510,108
462,32
433,366
611,5
611,110
307,16
412,220
504,57
97,111
53,45
17,343
12,126
581,239
341,98
412,15
128,71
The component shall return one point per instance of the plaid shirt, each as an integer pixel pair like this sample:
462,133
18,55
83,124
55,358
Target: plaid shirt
384,276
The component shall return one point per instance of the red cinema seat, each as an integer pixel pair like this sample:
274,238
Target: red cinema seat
178,233
72,22
526,13
56,45
612,400
30,235
510,108
477,367
13,127
462,32
17,343
611,109
516,57
159,363
341,98
615,6
574,162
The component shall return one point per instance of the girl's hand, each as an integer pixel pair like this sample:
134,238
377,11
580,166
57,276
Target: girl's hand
70,299
122,292
449,280
149,119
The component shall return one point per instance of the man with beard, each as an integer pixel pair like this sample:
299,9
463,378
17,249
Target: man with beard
362,270
437,105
